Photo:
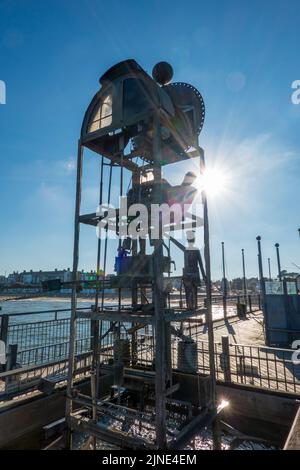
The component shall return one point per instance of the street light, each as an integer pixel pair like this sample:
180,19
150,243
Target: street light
278,260
244,277
224,283
269,265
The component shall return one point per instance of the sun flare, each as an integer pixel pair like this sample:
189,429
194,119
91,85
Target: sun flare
215,181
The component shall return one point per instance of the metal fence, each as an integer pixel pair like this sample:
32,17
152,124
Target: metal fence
40,338
259,366
266,367
41,349
39,341
23,380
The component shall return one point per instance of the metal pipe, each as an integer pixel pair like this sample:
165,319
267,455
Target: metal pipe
278,261
68,434
224,283
95,327
106,235
262,287
160,327
269,266
209,322
244,276
120,240
260,265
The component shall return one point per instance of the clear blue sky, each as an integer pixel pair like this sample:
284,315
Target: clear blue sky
242,56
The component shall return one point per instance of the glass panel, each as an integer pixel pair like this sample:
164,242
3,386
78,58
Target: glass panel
94,126
102,116
291,288
135,97
106,109
105,122
274,287
97,115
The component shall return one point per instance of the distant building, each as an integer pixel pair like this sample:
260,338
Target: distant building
37,277
13,278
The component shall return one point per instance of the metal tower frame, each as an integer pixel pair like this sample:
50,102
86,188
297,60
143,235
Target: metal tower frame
161,320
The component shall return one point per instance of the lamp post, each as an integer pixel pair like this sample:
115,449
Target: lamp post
244,277
224,282
269,266
263,289
260,265
278,260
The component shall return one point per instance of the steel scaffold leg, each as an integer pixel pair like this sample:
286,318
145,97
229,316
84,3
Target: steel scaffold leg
72,345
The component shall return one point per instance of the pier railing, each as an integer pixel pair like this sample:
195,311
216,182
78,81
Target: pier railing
38,346
259,366
42,377
42,336
40,341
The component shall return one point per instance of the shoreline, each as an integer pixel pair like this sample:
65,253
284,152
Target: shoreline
60,298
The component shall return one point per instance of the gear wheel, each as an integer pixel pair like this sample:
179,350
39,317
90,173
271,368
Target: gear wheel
184,94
